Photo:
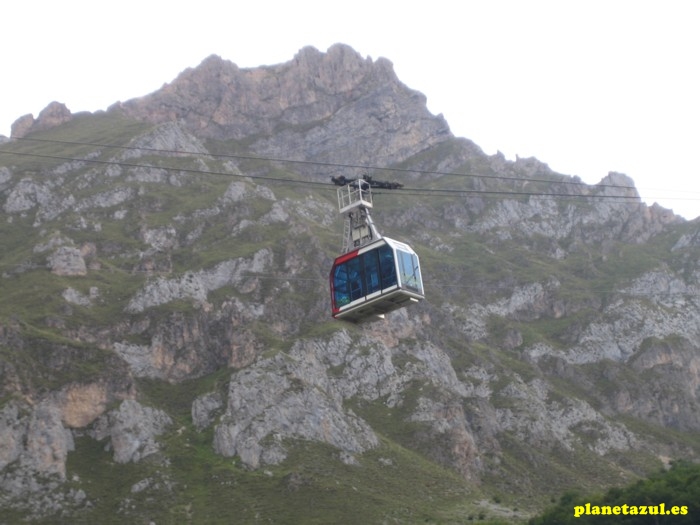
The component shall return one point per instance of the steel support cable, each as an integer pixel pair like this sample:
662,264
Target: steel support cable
422,192
316,163
167,168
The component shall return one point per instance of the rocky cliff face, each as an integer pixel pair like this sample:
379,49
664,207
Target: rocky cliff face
333,107
560,330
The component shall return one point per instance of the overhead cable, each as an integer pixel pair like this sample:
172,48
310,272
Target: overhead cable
405,191
320,163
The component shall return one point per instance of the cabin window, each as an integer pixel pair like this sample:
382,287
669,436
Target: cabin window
387,266
372,275
341,285
363,275
409,270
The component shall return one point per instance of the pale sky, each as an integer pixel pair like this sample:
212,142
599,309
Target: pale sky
586,86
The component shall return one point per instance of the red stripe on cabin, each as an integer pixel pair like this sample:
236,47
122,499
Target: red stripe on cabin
339,260
345,257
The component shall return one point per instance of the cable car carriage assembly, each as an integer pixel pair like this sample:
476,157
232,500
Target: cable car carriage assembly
375,275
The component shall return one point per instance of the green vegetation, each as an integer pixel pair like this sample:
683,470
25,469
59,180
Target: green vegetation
72,140
312,486
188,483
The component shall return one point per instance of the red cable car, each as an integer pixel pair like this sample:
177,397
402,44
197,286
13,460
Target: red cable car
380,274
374,280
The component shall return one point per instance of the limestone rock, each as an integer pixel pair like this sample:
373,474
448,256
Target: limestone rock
48,441
35,438
298,396
264,403
356,97
168,138
21,127
106,199
81,404
51,116
13,429
204,408
67,261
132,430
73,296
26,195
196,285
448,423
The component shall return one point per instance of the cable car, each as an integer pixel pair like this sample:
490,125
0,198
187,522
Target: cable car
375,279
375,275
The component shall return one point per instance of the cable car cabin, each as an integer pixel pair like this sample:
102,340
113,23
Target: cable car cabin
375,279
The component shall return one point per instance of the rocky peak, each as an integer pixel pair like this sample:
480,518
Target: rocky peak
340,69
220,92
618,184
309,105
51,116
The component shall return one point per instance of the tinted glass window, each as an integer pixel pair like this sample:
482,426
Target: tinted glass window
354,269
387,266
363,275
341,288
410,271
348,282
372,275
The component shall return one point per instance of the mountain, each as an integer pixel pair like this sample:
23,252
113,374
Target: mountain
167,351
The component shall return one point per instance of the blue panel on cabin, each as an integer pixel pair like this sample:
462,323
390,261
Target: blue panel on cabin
381,279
